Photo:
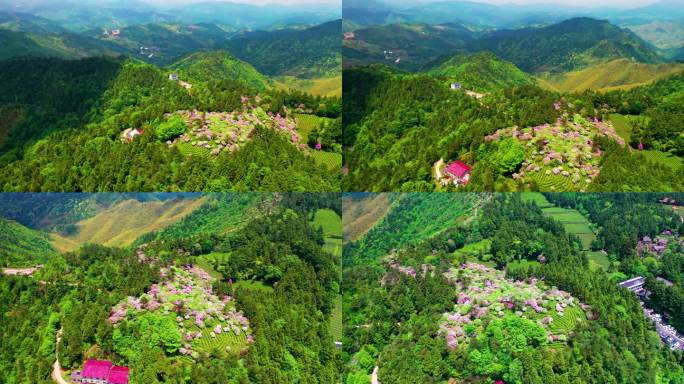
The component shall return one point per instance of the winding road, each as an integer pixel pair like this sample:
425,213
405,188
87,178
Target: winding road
56,367
374,376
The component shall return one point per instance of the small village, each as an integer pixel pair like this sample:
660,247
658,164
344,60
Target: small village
667,333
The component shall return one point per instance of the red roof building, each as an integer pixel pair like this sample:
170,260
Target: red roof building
459,171
101,372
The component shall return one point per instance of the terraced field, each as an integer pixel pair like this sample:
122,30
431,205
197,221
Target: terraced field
598,260
188,149
331,160
332,230
226,342
567,323
572,220
552,182
307,123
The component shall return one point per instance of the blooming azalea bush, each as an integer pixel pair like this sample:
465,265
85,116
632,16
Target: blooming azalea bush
185,296
484,294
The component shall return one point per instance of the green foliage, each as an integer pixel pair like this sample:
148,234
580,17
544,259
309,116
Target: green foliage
173,127
21,246
307,53
508,156
129,94
481,72
218,65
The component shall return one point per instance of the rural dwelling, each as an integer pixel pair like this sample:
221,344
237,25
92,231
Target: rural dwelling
173,76
133,133
116,32
100,372
459,172
455,86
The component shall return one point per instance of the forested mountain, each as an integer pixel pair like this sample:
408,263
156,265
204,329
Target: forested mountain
505,292
307,53
401,128
571,44
218,65
150,129
213,306
482,72
404,46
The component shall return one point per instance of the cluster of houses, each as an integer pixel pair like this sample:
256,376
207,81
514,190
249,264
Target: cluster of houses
113,33
667,333
100,372
349,35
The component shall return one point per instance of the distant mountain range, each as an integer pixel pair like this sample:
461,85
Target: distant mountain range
569,45
306,53
83,15
487,16
661,23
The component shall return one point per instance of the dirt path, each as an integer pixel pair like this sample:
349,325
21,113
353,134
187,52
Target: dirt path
19,271
374,376
437,169
56,367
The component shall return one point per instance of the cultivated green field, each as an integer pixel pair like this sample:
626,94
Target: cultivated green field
598,260
225,343
307,123
331,160
573,221
623,127
332,230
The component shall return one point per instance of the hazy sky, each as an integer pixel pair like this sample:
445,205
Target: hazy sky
564,3
255,2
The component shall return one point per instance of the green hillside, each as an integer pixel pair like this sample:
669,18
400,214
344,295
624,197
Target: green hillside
481,72
404,46
411,219
61,45
79,112
610,75
306,53
218,65
21,246
569,45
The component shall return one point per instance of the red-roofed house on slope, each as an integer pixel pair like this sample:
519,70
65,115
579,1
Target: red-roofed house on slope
100,372
459,172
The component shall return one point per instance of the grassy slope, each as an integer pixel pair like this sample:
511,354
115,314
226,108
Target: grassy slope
481,72
332,230
121,224
611,75
218,65
413,218
325,86
574,223
624,129
21,246
361,215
